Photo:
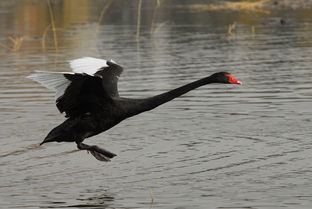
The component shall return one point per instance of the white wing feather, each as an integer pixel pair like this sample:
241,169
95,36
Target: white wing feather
56,80
87,65
52,80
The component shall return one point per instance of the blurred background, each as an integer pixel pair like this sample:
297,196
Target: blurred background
218,146
57,24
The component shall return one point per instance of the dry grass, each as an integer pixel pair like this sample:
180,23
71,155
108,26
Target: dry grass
231,28
245,6
16,43
253,30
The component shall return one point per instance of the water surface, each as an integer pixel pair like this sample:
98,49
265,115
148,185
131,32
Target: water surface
219,146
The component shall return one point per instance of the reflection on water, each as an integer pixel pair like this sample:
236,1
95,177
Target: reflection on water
219,146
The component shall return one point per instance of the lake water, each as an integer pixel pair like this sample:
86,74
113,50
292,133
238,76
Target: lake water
219,146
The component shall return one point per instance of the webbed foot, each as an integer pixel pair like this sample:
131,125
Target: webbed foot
99,153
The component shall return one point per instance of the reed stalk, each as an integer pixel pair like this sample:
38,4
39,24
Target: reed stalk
154,16
103,12
253,30
44,35
138,20
151,196
53,25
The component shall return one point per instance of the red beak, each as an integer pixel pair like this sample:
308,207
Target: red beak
234,80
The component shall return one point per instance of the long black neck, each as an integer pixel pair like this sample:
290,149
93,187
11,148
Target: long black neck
142,105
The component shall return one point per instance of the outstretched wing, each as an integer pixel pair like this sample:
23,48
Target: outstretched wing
91,85
52,80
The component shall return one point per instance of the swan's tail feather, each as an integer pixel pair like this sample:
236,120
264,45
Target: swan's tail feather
49,139
42,142
58,134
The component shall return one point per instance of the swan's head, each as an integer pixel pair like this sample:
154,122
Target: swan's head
224,77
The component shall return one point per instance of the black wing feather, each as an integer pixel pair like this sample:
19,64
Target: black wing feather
109,76
89,93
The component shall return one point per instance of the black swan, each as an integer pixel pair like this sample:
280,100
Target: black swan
89,97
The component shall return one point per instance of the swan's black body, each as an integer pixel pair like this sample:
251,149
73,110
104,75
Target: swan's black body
92,105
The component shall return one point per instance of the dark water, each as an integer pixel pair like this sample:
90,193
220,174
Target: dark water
219,146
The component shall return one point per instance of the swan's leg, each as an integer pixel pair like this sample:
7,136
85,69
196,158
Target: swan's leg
99,153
